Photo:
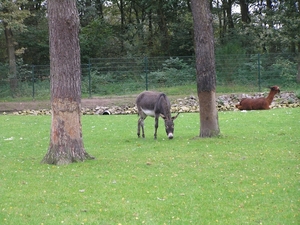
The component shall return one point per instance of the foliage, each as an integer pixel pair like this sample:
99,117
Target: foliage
286,69
119,76
11,14
97,39
174,70
233,179
3,71
155,28
35,41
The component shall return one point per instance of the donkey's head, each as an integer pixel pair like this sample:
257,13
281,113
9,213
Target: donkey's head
169,125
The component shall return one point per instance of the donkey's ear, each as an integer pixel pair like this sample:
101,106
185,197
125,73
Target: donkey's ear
174,117
162,116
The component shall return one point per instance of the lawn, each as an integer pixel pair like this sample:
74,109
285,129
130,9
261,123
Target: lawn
247,175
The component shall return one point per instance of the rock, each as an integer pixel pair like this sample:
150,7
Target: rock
187,104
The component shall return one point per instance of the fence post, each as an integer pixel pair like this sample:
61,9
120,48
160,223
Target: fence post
258,68
146,71
33,90
90,82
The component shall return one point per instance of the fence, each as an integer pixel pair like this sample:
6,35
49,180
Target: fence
119,76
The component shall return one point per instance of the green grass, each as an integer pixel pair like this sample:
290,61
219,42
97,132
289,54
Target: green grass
248,175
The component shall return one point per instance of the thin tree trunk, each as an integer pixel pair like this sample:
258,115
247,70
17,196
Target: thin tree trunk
121,7
163,28
205,68
270,22
99,7
150,36
298,75
66,144
245,11
229,14
298,45
12,59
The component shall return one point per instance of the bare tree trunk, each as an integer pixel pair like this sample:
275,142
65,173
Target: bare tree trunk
12,59
298,45
298,75
270,22
228,8
245,11
99,7
66,144
205,68
163,28
120,4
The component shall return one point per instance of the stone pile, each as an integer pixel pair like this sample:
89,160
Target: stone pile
187,104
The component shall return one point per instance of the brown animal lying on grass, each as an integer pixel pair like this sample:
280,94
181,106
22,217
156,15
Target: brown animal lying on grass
258,103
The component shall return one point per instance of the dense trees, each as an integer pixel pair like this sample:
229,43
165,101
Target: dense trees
146,27
12,18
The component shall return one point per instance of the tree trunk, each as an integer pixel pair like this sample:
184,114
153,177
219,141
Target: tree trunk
122,13
163,28
99,7
245,11
12,59
298,75
66,144
229,14
270,22
205,68
298,45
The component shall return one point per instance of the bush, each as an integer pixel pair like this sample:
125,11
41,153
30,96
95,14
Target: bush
174,72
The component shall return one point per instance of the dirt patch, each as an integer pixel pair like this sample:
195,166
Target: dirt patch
86,103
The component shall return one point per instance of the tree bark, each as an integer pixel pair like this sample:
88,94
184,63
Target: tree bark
298,44
205,68
11,58
298,74
66,144
163,28
245,11
228,8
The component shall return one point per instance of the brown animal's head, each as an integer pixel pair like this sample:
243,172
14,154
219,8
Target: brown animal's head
275,88
169,125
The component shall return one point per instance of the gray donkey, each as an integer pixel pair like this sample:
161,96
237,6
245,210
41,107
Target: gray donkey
155,104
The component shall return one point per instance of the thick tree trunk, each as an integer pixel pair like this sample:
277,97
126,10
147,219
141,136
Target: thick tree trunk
209,122
66,144
205,68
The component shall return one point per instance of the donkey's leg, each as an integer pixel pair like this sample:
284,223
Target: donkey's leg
141,124
156,126
138,128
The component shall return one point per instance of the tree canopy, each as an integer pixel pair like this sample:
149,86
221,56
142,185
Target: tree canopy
155,28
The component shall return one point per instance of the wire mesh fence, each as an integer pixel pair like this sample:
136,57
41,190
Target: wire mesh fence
119,76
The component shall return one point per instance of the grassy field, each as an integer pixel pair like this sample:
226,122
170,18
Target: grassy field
248,175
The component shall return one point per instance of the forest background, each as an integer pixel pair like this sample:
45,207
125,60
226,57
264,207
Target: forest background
130,29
